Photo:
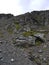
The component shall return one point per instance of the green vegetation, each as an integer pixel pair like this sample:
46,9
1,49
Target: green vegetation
29,33
38,61
47,63
32,32
14,41
17,25
10,30
38,43
26,34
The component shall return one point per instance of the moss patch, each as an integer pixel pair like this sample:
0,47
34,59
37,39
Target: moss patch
17,25
10,30
29,33
38,43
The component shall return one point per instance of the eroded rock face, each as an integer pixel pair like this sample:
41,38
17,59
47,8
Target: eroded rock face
6,16
24,39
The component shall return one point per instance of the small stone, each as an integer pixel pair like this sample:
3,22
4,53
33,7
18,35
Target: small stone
0,41
44,59
2,59
40,51
12,60
44,46
36,56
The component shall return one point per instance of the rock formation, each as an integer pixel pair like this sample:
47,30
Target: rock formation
24,39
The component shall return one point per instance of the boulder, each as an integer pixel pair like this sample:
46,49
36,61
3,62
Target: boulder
40,36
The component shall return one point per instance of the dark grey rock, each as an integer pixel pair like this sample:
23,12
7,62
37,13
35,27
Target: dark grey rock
10,53
1,56
0,50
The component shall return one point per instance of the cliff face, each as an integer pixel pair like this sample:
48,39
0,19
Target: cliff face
24,39
35,17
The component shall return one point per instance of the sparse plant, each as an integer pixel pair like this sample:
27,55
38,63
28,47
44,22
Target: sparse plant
9,29
17,25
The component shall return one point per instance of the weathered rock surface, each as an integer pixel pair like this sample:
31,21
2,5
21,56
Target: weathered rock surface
24,39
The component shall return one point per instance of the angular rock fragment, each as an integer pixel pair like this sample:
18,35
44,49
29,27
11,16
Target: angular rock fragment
40,36
40,51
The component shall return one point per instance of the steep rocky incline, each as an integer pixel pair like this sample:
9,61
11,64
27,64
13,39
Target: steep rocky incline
24,39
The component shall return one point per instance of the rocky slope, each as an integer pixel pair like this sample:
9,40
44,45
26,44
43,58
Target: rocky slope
24,39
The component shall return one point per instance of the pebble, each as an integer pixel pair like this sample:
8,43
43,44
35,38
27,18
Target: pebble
36,56
44,59
12,60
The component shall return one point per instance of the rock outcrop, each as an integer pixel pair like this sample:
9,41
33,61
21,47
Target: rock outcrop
24,39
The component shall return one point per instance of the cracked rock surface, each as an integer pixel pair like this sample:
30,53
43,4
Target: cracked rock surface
24,39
